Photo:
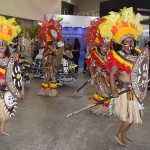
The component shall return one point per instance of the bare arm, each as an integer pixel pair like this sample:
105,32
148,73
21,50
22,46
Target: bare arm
2,82
44,55
113,72
91,68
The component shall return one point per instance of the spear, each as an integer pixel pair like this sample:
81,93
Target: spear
101,102
98,103
79,89
68,66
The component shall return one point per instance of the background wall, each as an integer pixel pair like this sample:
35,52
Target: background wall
74,2
88,5
29,9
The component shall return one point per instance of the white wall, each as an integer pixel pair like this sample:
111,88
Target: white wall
29,9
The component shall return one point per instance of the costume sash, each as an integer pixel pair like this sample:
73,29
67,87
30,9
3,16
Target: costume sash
114,58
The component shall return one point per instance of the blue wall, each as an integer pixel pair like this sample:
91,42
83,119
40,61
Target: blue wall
71,33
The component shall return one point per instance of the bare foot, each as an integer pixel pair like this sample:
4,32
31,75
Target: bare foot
121,141
4,133
129,141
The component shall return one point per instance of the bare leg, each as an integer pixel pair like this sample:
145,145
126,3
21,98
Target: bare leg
97,87
125,137
2,127
47,76
120,135
54,73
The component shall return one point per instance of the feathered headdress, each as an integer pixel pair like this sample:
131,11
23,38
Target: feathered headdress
122,25
106,26
92,33
50,30
8,29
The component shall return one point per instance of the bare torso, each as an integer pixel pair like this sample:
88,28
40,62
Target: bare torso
123,76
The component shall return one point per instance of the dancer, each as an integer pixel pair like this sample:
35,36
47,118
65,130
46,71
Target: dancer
50,34
96,62
10,91
100,78
125,27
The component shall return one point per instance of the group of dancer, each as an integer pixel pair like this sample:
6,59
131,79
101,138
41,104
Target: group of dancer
111,68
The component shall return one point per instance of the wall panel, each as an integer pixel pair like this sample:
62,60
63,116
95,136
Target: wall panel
88,5
74,2
29,9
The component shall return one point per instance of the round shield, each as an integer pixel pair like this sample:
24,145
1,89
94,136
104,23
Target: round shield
13,78
139,75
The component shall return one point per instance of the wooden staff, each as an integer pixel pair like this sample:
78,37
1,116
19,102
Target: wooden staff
93,105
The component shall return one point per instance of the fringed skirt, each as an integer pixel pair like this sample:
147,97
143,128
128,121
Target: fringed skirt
101,109
126,107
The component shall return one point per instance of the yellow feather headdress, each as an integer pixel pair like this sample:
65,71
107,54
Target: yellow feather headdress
8,29
118,26
105,27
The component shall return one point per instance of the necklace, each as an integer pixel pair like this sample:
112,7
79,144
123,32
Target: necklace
3,61
129,57
102,56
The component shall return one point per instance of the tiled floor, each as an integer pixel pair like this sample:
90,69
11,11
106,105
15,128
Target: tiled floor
41,124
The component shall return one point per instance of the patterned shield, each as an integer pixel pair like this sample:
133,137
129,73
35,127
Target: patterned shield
13,77
139,75
9,103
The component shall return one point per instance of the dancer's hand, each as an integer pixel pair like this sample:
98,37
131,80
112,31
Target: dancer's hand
2,81
114,94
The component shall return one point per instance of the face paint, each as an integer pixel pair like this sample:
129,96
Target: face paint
129,46
104,47
128,43
3,47
2,44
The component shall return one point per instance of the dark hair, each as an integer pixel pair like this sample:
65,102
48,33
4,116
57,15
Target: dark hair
15,45
148,43
117,47
50,43
7,52
98,48
76,43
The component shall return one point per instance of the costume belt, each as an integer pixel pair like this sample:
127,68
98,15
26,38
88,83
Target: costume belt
1,94
121,84
126,85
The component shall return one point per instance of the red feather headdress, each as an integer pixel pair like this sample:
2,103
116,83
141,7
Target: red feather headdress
92,34
50,30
